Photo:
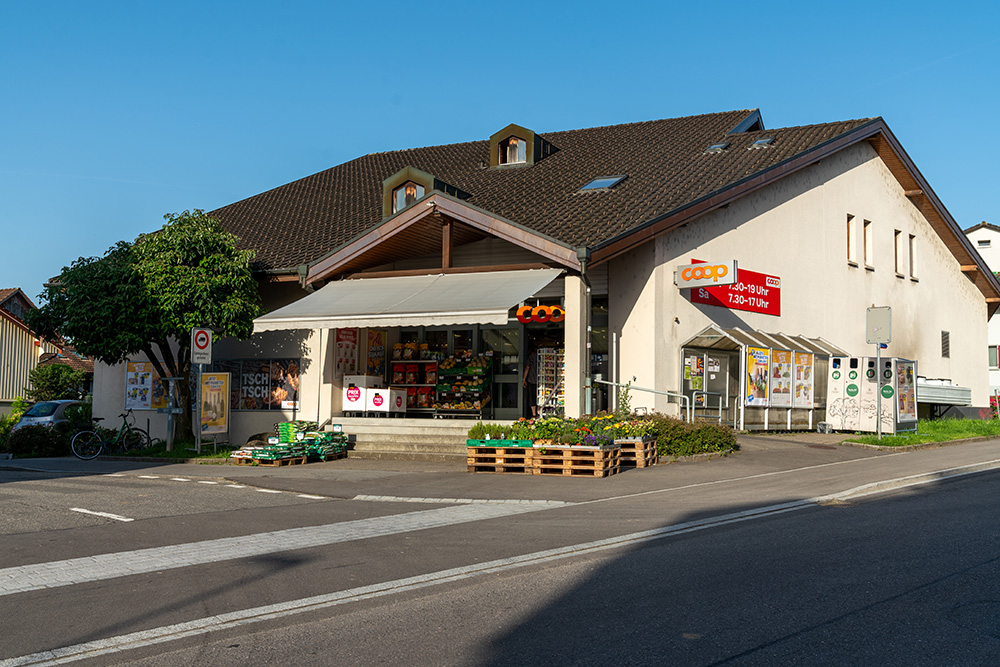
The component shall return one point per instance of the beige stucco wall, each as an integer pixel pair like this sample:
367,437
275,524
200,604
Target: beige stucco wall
991,255
796,229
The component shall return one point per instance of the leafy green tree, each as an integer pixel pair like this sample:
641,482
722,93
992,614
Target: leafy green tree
145,297
54,381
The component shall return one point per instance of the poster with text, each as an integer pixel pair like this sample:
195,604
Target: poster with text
143,389
758,365
803,380
214,403
376,352
346,354
906,390
781,379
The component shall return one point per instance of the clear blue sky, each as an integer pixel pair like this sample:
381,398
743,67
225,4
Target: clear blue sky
115,113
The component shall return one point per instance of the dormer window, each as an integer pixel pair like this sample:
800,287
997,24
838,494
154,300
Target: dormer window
513,151
405,195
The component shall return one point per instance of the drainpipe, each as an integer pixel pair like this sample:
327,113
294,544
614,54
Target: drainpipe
583,254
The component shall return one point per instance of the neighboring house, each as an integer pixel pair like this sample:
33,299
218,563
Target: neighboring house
986,239
442,246
68,356
20,349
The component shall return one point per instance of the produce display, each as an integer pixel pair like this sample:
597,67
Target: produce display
463,383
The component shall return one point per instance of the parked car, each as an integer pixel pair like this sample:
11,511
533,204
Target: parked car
45,413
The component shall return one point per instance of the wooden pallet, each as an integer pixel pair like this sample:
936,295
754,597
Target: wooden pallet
572,461
500,459
637,454
298,460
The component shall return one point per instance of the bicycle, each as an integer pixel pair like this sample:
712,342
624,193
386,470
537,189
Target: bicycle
87,445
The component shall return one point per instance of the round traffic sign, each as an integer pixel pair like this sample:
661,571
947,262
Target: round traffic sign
202,339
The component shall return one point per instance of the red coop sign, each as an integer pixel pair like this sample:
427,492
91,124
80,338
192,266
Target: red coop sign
753,292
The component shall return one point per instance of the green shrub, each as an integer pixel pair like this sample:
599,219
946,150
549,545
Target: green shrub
678,438
39,441
7,421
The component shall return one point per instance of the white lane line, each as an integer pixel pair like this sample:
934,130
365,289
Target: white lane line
149,477
306,495
268,491
457,501
113,474
204,481
106,515
179,479
24,578
236,486
242,617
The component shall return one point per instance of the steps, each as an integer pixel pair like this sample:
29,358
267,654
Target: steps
406,439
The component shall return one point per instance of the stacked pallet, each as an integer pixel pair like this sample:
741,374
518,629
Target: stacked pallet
512,459
576,461
637,452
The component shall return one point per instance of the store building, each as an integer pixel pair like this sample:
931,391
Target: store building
436,252
985,237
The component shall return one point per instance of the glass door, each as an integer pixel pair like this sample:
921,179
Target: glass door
504,343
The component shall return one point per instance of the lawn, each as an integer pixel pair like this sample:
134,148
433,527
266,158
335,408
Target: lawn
938,430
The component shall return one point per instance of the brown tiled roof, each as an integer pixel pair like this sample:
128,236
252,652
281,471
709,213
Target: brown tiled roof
68,357
664,161
7,296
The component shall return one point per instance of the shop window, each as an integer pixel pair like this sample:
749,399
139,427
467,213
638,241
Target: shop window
405,195
262,384
512,151
994,357
852,244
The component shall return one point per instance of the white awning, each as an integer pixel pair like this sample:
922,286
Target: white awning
451,298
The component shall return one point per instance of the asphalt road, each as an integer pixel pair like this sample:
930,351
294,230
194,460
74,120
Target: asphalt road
739,569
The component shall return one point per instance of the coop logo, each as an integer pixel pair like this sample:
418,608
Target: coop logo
706,275
773,281
541,314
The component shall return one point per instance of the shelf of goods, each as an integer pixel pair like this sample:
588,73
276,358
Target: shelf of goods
551,370
417,378
463,386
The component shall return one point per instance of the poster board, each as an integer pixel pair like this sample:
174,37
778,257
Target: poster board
214,403
906,391
758,367
804,381
376,352
346,353
143,389
780,383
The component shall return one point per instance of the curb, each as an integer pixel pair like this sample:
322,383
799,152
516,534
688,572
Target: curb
923,445
903,482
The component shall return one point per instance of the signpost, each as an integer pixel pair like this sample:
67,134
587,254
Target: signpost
201,354
878,332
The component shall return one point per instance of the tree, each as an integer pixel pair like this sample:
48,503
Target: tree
147,296
52,382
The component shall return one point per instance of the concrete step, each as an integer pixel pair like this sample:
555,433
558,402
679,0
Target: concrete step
433,448
393,455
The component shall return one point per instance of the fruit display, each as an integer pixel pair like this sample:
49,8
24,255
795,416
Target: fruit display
463,383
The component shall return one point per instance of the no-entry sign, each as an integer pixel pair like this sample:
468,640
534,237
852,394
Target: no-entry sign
201,346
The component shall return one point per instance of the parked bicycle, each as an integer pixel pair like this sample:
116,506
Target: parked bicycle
87,445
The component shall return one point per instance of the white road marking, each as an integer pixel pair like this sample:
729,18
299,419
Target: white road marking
306,495
113,474
236,486
149,477
205,481
268,491
179,479
106,515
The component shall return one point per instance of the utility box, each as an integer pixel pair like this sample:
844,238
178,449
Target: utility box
855,385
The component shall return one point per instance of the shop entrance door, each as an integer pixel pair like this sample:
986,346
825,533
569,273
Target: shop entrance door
711,380
507,370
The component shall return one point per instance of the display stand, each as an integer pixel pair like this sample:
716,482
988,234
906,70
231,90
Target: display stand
551,371
464,387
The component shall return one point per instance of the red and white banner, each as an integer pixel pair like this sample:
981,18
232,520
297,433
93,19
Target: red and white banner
753,292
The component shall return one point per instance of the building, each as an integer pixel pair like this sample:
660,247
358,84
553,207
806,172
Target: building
986,239
20,349
592,229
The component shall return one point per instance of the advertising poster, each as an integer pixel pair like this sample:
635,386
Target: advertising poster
266,385
753,292
376,352
803,380
346,353
758,365
697,373
214,403
781,379
143,389
906,391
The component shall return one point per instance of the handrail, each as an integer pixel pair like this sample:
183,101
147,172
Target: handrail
707,406
684,398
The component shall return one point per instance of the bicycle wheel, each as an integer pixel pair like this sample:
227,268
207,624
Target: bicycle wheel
134,439
86,445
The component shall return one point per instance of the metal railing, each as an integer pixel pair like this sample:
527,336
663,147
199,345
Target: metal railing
684,399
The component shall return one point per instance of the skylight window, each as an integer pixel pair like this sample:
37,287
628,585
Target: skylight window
717,148
765,142
603,183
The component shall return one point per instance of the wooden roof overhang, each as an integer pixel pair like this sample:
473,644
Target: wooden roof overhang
436,223
878,135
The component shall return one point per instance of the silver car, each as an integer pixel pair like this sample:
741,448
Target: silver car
45,413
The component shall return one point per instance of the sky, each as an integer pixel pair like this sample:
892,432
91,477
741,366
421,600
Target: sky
113,114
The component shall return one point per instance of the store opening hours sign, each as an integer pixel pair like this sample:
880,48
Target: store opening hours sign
753,292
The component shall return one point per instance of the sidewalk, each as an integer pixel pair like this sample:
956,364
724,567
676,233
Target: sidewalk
816,462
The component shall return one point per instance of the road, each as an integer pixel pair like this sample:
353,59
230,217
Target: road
732,562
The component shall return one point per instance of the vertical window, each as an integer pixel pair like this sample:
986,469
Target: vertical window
945,345
897,248
868,242
513,151
405,195
994,357
913,260
852,250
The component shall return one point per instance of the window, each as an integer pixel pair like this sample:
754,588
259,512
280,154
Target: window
766,142
852,234
262,384
513,151
913,261
983,243
405,195
897,246
603,183
717,148
945,345
994,357
868,243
